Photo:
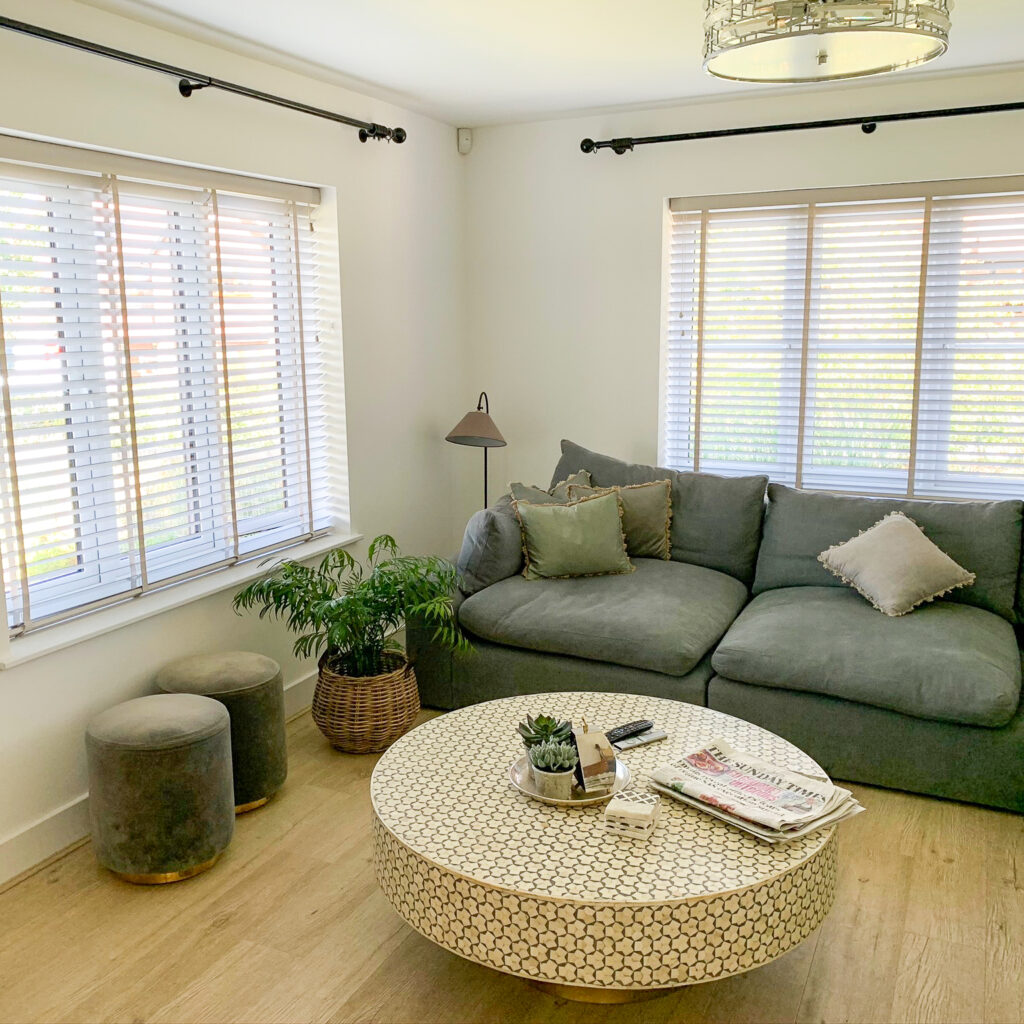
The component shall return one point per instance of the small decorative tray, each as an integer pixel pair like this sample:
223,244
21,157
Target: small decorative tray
520,775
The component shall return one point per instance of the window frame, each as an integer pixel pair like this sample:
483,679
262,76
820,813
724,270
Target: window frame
937,478
269,531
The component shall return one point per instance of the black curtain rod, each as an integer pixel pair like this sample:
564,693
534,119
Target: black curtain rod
867,125
189,81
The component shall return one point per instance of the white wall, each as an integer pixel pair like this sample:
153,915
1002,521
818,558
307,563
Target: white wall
564,249
401,252
525,268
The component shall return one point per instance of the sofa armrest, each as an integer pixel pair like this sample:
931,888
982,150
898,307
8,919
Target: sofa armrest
492,547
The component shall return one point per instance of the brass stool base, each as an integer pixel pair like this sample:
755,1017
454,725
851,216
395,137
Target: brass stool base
584,994
163,877
251,805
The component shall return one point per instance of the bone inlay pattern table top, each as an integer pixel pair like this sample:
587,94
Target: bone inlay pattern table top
549,894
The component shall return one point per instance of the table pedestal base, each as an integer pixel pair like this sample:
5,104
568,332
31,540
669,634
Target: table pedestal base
583,994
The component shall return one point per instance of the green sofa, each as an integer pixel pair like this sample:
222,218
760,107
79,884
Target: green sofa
745,620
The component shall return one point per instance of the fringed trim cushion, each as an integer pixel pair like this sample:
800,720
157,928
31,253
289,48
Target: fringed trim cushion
647,515
557,494
580,538
895,566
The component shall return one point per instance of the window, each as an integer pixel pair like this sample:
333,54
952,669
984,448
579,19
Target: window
859,340
161,373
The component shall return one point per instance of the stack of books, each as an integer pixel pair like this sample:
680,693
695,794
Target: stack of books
773,803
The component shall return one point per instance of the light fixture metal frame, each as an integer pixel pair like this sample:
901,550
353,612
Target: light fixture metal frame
791,19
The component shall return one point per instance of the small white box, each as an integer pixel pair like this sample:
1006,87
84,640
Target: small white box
632,813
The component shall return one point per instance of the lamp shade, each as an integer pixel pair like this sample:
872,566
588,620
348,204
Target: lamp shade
476,428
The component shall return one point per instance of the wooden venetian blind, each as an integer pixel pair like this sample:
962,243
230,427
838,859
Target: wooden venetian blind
161,383
868,340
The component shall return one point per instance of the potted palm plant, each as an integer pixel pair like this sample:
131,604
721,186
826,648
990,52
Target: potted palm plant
348,614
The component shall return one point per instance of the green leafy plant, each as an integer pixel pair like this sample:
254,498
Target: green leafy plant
553,757
544,729
350,612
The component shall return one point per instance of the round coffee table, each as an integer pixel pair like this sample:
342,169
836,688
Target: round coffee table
548,894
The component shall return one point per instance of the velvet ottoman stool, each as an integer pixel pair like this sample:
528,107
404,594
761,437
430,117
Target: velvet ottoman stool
161,800
249,686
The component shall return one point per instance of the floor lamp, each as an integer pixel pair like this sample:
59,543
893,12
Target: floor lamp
478,430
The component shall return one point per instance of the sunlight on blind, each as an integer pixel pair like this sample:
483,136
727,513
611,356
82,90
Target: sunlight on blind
874,346
162,386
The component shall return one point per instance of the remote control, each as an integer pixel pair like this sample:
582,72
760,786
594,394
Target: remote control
651,736
621,732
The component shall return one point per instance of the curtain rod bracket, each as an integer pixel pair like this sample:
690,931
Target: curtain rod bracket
186,88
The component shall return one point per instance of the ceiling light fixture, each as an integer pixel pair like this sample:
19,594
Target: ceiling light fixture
821,40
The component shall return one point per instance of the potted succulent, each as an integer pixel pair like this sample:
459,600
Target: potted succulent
544,729
348,614
554,768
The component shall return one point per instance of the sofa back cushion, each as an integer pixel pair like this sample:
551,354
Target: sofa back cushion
716,521
982,536
1020,599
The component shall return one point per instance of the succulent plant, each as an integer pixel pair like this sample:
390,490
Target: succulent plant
544,729
553,756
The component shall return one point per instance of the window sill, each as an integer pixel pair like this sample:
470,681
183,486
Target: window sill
21,649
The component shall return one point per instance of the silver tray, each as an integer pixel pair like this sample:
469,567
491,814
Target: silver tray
520,775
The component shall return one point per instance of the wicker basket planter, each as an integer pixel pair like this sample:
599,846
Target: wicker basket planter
365,714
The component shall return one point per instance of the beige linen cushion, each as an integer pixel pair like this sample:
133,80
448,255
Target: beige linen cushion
895,566
582,538
646,515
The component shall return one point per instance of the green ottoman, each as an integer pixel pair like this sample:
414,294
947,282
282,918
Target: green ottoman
161,800
249,686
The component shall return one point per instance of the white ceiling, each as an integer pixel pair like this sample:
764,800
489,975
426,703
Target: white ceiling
473,62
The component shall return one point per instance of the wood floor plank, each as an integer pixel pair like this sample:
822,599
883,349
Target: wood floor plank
1004,949
853,974
938,982
928,925
950,861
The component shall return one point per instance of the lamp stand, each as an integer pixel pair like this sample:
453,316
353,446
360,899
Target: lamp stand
485,477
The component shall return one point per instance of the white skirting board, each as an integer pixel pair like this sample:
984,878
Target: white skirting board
66,825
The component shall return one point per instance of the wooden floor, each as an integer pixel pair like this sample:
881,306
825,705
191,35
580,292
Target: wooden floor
289,926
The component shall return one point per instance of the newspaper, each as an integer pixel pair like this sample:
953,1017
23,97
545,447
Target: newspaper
775,804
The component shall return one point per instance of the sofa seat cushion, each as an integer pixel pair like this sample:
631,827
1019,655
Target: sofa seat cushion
664,617
947,662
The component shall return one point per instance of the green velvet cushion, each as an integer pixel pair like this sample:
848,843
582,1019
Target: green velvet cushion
982,536
158,722
716,521
664,617
582,538
646,516
492,547
947,662
558,492
217,675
